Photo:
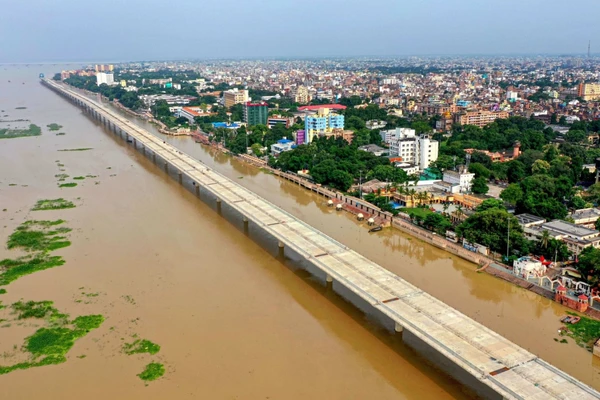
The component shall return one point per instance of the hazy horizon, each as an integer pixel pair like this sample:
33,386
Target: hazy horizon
71,31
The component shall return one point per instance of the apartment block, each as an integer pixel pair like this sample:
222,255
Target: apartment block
235,96
479,118
256,113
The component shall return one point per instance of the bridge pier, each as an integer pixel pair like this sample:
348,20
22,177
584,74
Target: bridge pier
219,205
166,167
397,327
197,190
154,157
329,278
180,175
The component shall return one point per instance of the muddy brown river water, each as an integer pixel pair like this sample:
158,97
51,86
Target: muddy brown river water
233,320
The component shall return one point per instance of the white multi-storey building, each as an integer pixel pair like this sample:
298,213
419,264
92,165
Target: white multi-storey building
417,150
103,77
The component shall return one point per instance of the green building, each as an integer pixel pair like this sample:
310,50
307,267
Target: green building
256,113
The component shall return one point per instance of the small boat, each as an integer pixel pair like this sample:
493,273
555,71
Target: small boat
375,229
566,319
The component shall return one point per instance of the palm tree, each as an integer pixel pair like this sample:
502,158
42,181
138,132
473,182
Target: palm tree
411,193
545,238
445,207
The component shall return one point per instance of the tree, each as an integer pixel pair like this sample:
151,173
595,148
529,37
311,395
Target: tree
545,238
256,149
540,167
575,136
421,127
589,261
354,123
490,203
512,194
516,171
479,186
479,170
437,222
490,228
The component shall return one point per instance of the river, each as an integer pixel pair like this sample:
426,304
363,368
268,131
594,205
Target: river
233,320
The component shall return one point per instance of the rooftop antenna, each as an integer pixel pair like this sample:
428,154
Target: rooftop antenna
589,45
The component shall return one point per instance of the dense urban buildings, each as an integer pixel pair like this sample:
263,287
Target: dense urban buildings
234,96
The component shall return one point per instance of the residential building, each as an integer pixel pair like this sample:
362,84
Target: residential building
282,146
589,91
347,135
322,122
235,96
256,113
528,267
417,150
160,82
279,119
529,220
576,237
300,137
322,106
409,168
105,78
190,113
479,118
374,149
462,178
375,124
104,68
586,217
301,95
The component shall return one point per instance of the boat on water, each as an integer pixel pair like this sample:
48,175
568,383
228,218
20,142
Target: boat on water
375,229
570,319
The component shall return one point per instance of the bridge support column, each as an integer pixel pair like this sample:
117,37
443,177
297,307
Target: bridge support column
219,205
134,143
281,246
166,167
329,278
398,327
197,190
154,157
180,174
245,219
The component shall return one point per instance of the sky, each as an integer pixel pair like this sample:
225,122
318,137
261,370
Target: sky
134,30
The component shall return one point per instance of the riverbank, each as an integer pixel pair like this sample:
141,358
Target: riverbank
356,206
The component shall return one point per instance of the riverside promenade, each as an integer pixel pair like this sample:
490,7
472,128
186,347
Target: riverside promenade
481,359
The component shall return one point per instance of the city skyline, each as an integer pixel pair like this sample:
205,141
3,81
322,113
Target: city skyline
231,29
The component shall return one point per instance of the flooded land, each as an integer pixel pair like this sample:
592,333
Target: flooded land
186,305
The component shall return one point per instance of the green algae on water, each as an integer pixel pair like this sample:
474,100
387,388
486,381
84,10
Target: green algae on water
141,346
9,133
37,236
152,372
70,184
55,204
11,270
54,127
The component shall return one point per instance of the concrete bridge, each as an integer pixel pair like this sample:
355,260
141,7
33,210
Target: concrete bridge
489,364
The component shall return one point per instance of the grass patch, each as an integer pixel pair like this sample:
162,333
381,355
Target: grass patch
141,346
8,133
2,291
54,127
36,236
61,177
79,178
414,212
585,332
60,134
152,372
56,204
79,149
70,184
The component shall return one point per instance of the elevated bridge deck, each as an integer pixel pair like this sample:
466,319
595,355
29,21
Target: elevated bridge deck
499,365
